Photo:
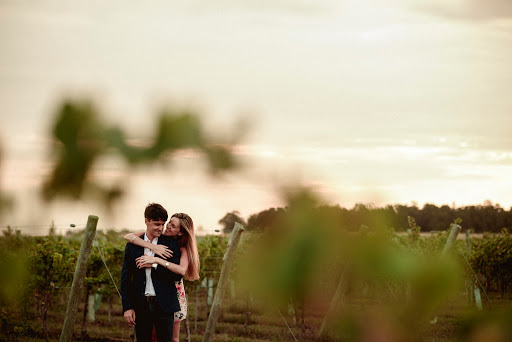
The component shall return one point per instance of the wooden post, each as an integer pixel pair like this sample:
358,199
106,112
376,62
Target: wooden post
228,259
207,295
468,241
469,287
78,279
451,238
209,286
91,304
449,243
478,298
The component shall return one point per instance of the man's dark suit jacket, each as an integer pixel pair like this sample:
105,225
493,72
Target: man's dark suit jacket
133,280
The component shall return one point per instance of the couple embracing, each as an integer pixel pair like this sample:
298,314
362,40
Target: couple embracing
155,262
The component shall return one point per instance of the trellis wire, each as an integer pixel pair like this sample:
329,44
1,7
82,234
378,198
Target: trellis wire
477,279
290,329
105,263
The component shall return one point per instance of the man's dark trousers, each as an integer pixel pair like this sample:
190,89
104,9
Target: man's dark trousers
154,315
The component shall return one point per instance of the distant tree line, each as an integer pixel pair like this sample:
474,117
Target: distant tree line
487,217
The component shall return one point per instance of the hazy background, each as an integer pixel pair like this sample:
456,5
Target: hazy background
367,101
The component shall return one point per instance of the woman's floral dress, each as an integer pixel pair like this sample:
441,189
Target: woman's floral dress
182,314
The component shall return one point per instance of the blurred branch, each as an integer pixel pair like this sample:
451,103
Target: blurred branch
81,138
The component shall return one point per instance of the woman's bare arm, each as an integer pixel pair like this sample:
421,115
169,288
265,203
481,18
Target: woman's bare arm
161,250
147,261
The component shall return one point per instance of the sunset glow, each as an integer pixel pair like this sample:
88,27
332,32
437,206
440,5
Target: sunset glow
365,101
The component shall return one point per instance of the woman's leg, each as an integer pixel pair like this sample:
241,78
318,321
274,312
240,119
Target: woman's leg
176,332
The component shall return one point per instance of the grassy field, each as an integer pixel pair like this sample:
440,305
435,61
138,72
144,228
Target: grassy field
264,323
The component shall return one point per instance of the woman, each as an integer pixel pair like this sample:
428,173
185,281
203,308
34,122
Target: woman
181,227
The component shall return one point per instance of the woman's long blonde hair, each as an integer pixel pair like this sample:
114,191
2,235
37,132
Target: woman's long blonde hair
188,240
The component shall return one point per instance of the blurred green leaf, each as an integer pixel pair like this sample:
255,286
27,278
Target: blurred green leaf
81,138
78,143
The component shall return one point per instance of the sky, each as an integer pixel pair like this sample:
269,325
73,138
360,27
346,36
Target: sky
365,101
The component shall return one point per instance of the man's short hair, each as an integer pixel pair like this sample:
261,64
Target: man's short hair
155,212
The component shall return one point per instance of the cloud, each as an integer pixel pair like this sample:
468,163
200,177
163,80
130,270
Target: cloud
469,9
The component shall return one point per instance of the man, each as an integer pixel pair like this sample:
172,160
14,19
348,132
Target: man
148,293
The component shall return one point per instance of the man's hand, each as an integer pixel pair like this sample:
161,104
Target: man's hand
162,250
145,261
129,316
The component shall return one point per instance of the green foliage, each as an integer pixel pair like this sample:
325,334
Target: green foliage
52,265
491,259
10,326
267,219
78,132
14,265
423,247
105,264
414,229
302,260
113,254
229,220
211,250
479,218
486,326
81,138
284,261
94,269
307,253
